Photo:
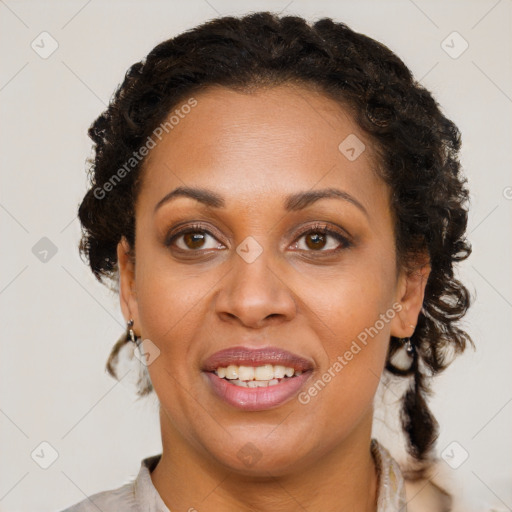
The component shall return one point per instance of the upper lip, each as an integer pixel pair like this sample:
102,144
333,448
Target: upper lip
244,356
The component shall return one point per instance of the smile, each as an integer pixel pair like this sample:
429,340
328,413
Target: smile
254,394
256,379
256,376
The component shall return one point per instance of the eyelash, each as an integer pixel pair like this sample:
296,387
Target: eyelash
317,228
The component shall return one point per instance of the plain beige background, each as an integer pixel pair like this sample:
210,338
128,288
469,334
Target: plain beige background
58,324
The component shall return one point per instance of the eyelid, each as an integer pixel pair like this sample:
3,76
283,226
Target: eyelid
327,228
184,227
344,238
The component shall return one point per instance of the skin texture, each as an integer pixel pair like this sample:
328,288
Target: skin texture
254,150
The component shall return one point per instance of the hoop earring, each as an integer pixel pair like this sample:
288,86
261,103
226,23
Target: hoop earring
130,333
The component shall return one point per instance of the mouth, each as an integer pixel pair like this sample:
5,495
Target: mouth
256,376
256,380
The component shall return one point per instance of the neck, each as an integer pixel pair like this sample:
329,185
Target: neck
343,480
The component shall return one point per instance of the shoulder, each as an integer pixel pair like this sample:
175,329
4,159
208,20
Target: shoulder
428,494
122,498
133,496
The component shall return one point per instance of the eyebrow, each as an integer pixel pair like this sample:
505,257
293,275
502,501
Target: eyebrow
293,202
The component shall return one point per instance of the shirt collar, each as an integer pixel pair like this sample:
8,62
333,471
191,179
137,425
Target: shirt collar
391,494
148,499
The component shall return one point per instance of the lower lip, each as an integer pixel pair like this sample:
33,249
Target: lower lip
257,399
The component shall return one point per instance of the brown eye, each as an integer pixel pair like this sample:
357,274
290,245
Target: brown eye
322,240
193,239
316,240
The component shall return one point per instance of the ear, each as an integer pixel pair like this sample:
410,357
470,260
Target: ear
410,294
127,293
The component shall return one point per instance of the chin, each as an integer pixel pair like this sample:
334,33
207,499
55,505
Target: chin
251,461
261,455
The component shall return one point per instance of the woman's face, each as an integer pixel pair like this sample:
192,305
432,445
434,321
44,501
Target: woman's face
254,272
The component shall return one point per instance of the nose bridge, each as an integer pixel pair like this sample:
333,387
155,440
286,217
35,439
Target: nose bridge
254,261
253,290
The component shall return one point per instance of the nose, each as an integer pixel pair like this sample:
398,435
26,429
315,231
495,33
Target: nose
254,294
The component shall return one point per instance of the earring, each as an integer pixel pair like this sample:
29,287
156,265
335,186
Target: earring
409,348
130,333
403,358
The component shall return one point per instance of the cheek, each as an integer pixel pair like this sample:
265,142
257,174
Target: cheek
165,294
352,299
356,310
170,311
169,306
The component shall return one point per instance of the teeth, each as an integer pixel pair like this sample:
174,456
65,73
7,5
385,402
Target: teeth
231,371
279,371
245,372
254,374
265,372
254,383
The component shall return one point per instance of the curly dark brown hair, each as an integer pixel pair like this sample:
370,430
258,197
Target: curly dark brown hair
417,147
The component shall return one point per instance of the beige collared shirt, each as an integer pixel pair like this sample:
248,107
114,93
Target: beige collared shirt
140,495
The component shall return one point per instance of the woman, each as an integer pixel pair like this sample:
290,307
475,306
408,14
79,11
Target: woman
283,206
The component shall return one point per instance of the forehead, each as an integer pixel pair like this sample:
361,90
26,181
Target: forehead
262,145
